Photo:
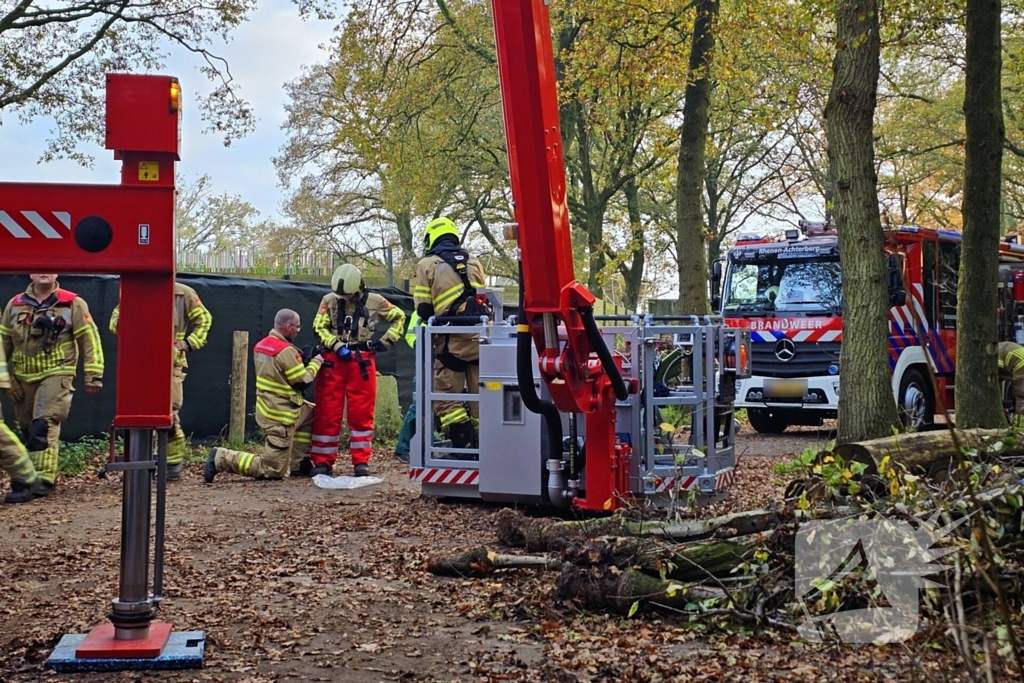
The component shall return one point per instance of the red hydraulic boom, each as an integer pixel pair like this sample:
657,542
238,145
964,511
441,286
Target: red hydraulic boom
581,374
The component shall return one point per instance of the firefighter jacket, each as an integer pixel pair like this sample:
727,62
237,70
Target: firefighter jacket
440,286
352,322
5,377
44,338
187,309
280,379
1011,360
410,333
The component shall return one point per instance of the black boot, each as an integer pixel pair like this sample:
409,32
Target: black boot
23,493
210,468
174,471
320,469
362,470
305,467
462,435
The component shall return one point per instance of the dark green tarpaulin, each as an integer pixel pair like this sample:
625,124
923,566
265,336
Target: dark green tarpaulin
236,304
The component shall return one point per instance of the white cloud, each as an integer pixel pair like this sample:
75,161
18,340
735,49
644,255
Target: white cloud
265,53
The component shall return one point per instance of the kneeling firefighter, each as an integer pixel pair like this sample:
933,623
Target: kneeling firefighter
344,325
283,415
446,281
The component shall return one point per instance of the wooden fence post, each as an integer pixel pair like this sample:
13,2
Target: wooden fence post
239,379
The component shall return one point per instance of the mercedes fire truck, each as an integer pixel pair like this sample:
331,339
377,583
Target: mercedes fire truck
789,293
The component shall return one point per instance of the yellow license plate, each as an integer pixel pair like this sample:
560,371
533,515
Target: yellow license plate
785,388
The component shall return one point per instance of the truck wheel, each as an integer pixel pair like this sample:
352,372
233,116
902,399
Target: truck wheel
915,401
767,422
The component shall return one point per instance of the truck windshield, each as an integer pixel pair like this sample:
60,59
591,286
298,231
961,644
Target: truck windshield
784,285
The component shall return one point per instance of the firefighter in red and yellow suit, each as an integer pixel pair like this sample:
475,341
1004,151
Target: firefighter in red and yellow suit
25,483
43,332
344,325
188,309
1011,369
282,413
446,281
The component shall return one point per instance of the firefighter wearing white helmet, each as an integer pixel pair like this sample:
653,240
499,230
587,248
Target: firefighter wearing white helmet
344,324
446,281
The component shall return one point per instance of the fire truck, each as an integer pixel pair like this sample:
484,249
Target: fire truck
788,292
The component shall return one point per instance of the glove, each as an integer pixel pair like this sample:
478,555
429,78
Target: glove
337,347
15,392
378,346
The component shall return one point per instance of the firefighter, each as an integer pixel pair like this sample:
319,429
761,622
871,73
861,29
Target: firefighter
25,483
1011,368
43,331
282,413
188,308
344,324
446,282
408,430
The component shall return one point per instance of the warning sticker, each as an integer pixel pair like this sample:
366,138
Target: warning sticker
149,170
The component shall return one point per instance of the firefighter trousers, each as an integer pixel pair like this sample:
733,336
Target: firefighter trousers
1017,384
344,383
14,458
449,381
176,442
41,411
284,447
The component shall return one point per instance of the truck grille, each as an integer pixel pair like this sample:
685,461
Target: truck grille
812,359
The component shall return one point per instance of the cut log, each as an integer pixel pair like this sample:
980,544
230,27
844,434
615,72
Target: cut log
518,531
922,451
606,588
695,561
484,562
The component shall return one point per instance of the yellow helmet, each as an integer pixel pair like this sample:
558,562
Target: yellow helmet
347,279
438,227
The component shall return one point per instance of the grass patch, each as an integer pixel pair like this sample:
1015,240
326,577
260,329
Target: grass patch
89,453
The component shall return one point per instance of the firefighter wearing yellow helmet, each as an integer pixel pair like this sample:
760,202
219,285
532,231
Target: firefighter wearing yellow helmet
446,281
344,324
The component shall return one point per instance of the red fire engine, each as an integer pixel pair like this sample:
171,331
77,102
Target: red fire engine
788,292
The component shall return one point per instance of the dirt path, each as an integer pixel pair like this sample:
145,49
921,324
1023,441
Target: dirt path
294,583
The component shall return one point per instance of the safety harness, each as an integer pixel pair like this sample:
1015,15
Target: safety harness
349,330
469,304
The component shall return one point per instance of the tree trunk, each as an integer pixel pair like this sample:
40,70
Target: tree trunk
484,562
634,273
866,406
692,267
978,401
515,530
918,450
403,221
599,588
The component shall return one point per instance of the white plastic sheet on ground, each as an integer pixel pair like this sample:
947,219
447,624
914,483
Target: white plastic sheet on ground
345,482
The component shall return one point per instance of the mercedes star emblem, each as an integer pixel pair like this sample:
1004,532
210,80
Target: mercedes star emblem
785,349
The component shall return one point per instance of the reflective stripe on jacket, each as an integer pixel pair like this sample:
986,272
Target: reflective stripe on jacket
280,378
334,310
35,353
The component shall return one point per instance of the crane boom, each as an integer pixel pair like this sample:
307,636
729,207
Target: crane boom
550,294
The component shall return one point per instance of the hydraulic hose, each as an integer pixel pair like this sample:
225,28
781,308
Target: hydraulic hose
528,393
590,325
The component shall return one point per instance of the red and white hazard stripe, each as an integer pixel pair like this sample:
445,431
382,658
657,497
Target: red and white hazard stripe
437,475
725,478
661,485
53,225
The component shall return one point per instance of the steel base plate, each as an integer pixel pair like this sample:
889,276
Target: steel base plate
183,650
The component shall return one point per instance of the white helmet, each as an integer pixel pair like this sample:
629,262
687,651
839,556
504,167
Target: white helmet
347,279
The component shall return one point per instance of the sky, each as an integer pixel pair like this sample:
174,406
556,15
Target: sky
266,52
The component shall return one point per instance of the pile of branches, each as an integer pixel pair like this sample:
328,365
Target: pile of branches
741,566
